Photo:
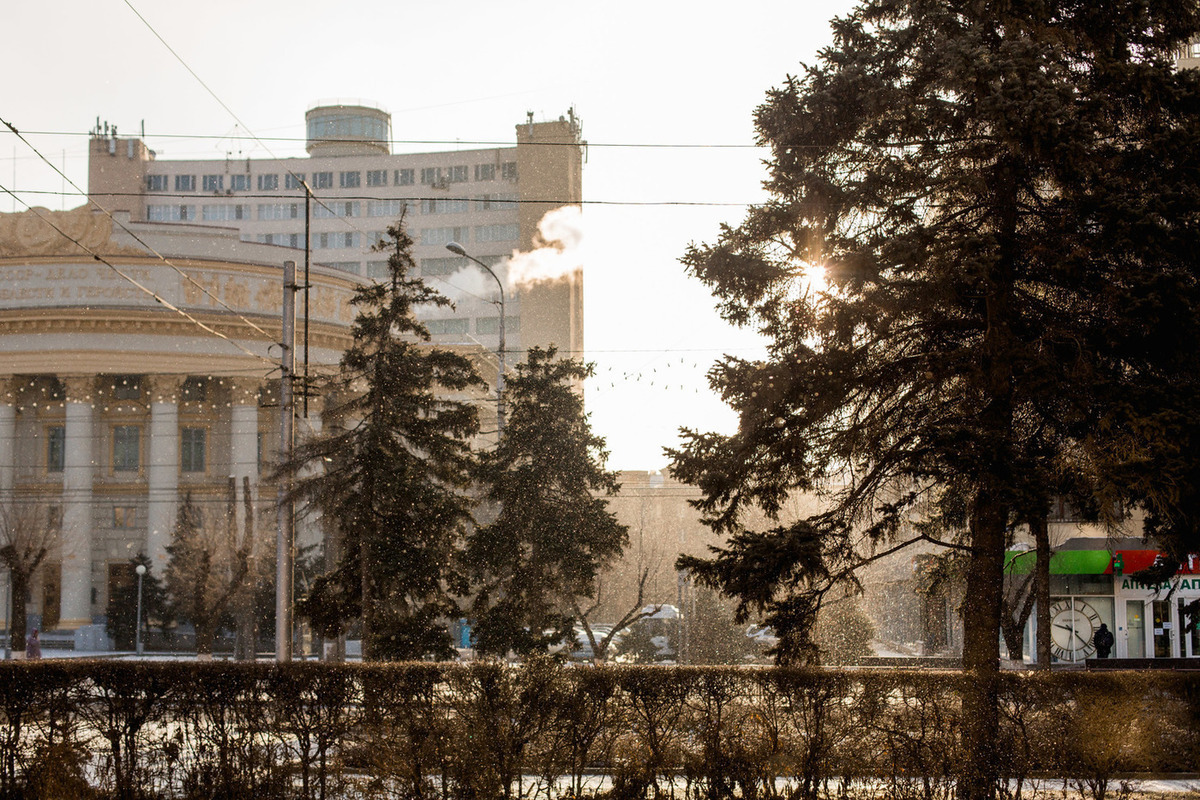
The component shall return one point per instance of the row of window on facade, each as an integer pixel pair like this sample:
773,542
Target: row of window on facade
328,209
429,237
485,326
338,126
346,240
379,268
350,179
126,449
126,440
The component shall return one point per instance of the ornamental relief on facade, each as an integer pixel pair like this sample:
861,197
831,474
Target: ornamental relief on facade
40,232
94,285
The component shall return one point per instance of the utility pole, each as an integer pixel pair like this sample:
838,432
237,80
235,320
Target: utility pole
285,537
307,279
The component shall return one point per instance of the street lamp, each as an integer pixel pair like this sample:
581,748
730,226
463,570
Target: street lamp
141,572
457,249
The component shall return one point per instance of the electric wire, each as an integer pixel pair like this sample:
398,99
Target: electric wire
150,292
519,201
481,143
251,133
345,219
253,136
137,238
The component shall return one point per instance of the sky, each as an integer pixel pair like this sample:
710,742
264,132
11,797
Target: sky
666,93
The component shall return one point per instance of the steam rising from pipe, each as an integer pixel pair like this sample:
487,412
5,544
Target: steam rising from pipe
559,250
558,253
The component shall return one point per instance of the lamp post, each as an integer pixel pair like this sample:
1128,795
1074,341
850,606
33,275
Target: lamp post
141,573
457,249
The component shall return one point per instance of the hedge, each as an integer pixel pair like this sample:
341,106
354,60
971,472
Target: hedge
116,729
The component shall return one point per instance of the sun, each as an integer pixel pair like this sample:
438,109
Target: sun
813,279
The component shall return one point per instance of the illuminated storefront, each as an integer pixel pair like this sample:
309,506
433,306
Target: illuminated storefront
1091,587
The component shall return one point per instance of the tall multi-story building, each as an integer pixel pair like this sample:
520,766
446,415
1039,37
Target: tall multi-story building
139,337
490,200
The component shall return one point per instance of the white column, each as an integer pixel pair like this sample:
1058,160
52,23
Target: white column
162,477
8,436
243,446
8,451
79,467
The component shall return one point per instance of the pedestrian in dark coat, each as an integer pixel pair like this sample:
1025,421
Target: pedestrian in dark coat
33,646
1103,640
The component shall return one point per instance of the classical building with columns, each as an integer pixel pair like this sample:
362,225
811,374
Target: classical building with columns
139,363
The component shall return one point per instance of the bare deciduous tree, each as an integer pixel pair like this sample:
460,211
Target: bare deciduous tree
636,612
210,564
28,531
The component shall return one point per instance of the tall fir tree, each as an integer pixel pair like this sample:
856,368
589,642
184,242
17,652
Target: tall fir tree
1003,196
392,476
552,534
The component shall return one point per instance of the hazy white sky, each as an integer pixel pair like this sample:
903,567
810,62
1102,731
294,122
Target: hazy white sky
659,86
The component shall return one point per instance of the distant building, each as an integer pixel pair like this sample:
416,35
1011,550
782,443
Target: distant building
1092,580
489,200
1188,56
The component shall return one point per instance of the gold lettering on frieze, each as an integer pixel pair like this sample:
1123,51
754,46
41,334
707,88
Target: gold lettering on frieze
237,293
269,297
141,275
127,292
191,292
12,275
66,273
28,293
202,288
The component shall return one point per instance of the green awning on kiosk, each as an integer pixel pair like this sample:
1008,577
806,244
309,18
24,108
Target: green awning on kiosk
1064,562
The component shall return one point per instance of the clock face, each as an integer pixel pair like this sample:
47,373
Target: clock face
1071,630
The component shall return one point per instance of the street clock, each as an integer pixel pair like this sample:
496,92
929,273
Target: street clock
1072,629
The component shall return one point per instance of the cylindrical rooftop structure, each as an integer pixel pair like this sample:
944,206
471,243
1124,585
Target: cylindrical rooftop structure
350,128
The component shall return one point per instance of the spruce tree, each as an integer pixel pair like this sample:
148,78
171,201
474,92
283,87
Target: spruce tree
1003,197
392,475
552,534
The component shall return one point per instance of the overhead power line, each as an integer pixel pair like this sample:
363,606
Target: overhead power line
228,198
148,291
136,238
237,119
481,143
